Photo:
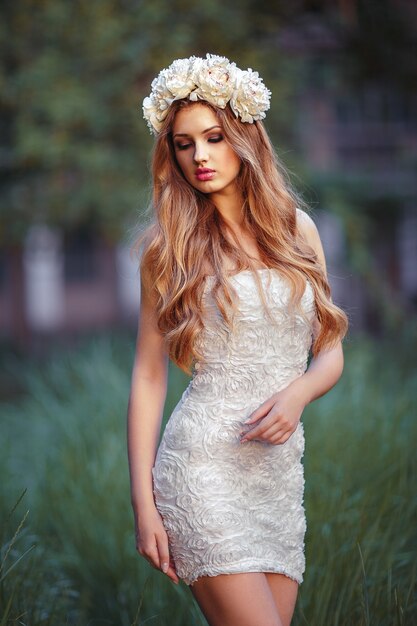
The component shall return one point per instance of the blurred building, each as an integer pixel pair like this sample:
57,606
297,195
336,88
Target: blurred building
65,284
359,139
61,284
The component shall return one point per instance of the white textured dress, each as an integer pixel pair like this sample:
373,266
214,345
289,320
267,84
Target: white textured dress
228,506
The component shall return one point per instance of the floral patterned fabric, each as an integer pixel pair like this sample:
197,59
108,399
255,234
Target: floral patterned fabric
227,506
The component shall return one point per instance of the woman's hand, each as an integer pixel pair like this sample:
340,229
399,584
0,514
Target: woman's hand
152,542
278,416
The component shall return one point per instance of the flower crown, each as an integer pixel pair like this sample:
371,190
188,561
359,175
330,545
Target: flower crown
214,79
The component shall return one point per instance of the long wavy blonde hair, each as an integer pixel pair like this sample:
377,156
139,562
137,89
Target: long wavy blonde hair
184,234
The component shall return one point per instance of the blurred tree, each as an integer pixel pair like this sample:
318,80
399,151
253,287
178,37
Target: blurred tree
381,43
74,149
73,76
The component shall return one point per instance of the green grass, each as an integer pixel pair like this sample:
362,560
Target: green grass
361,500
67,542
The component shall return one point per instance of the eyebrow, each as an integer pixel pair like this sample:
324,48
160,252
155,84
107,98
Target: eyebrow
204,131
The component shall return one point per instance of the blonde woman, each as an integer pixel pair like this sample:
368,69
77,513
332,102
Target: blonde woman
234,291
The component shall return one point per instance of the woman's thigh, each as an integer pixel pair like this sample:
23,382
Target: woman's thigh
285,590
236,600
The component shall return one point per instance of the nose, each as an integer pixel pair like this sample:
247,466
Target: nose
200,152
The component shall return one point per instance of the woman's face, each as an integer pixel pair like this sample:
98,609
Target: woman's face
207,161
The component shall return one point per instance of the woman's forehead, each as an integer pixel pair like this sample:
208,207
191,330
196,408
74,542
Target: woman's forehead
194,119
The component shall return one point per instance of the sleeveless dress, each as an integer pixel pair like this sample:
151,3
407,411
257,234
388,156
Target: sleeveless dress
227,506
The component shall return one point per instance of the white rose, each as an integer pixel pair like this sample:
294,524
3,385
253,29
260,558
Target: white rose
251,98
171,84
161,95
178,79
150,113
215,80
153,113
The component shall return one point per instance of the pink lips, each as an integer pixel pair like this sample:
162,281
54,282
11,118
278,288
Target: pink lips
203,173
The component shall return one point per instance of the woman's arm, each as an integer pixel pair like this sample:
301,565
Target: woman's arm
146,403
322,374
326,368
281,413
144,417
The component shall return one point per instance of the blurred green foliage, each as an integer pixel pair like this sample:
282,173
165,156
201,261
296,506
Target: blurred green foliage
64,442
75,151
73,76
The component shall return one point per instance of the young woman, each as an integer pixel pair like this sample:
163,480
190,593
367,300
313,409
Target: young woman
234,290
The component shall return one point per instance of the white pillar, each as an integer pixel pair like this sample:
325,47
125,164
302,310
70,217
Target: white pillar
128,280
44,278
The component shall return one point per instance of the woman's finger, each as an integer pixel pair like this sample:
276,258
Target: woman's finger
151,555
166,562
278,431
173,574
271,432
265,425
282,438
163,549
260,412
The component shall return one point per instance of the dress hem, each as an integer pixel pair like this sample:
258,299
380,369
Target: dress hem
240,568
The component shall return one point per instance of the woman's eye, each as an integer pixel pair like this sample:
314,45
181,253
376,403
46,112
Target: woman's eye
184,146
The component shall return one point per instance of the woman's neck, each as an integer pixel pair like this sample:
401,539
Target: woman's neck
230,206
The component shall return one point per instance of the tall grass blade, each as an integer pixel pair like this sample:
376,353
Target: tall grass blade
16,562
13,540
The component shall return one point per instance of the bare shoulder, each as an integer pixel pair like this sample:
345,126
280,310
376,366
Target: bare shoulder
308,230
305,223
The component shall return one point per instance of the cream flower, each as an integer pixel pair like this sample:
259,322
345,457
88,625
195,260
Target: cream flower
213,79
216,79
177,78
251,98
153,114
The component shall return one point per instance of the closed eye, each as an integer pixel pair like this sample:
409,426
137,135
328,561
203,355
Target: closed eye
184,146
